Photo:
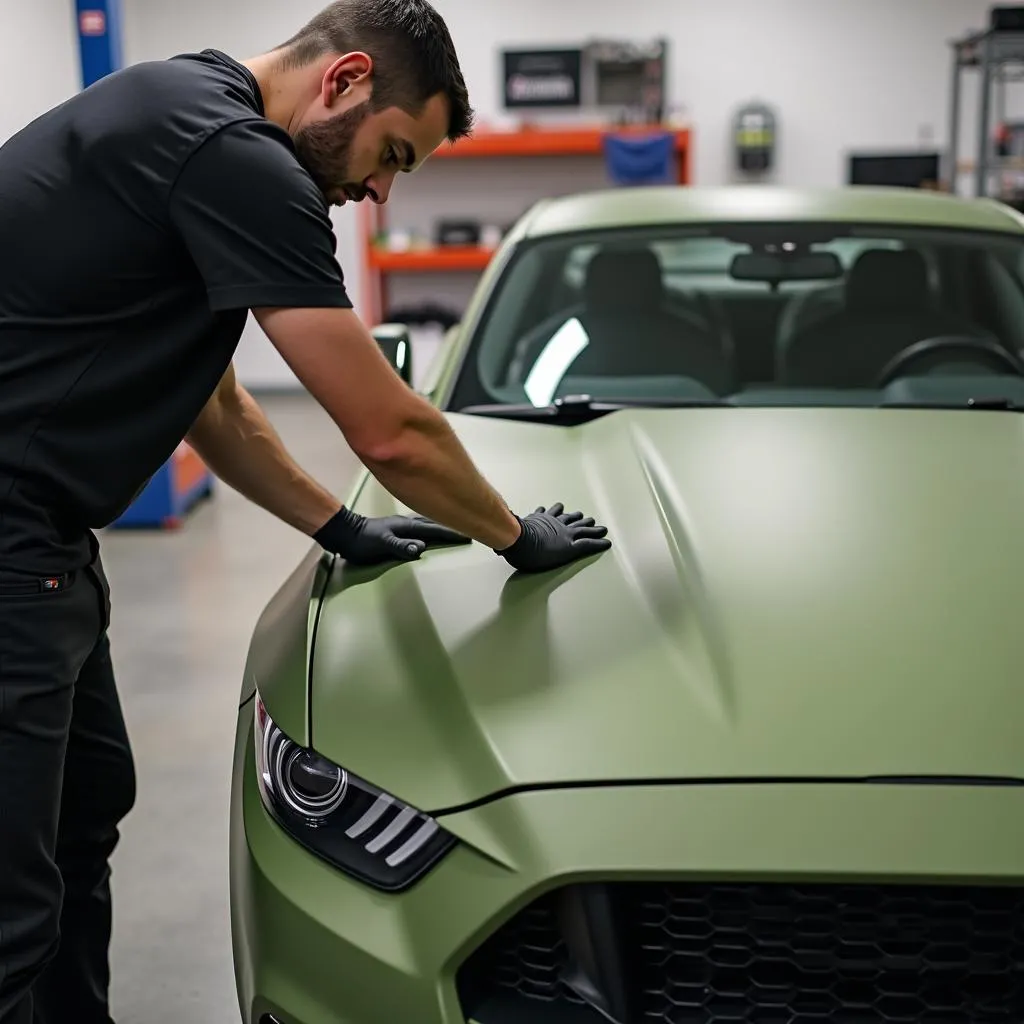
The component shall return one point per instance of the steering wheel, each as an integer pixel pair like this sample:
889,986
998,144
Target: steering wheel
989,352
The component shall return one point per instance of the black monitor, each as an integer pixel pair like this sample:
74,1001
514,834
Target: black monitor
909,170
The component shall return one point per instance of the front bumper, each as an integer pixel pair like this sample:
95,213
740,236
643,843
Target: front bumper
313,947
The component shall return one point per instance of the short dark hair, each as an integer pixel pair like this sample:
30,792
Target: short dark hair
412,49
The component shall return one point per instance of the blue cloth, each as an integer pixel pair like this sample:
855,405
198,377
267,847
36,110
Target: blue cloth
640,159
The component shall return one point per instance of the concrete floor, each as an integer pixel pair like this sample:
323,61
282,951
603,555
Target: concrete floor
183,608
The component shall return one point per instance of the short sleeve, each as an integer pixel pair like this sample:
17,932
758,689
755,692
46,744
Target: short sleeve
255,224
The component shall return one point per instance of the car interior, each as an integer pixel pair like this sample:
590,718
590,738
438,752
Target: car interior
756,313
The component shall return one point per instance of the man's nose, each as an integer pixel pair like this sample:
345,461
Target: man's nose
379,187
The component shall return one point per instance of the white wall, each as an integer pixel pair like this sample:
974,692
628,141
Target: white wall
39,58
841,73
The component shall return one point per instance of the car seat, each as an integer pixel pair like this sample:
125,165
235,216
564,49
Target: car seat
633,331
886,307
800,312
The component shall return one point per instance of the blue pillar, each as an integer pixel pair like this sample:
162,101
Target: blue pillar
99,38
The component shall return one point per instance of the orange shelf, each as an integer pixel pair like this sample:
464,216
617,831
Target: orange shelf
546,142
442,258
554,141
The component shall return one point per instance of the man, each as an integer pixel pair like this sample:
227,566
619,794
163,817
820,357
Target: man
142,220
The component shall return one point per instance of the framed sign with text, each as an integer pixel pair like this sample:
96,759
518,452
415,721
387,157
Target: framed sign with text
542,78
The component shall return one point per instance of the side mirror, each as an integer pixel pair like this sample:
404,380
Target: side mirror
396,345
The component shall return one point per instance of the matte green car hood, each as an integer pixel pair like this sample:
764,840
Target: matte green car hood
790,593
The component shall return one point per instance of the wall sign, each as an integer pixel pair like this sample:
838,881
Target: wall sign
92,23
542,78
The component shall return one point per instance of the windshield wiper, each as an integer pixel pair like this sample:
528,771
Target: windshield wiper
968,403
583,408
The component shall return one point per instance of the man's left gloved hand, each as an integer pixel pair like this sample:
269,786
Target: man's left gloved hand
373,541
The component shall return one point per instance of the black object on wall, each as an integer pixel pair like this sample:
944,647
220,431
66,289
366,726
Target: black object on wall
542,78
754,138
907,170
1006,19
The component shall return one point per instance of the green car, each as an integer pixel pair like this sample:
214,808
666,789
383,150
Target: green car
762,760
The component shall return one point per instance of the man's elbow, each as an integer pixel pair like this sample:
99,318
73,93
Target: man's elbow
401,444
398,449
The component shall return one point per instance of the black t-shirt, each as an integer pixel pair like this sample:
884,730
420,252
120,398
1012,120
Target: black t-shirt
139,221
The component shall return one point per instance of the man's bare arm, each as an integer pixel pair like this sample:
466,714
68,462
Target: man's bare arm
400,437
234,438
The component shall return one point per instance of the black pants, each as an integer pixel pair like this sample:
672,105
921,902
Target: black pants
66,780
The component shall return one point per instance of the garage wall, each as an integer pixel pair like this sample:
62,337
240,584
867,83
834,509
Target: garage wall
841,74
39,57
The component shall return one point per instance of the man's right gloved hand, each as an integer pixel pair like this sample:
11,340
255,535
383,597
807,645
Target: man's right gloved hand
553,537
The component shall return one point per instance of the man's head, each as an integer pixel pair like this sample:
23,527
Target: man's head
374,87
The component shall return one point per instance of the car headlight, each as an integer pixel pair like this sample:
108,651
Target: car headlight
343,819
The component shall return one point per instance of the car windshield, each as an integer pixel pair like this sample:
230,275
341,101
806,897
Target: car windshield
787,314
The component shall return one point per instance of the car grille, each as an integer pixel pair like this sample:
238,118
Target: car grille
760,954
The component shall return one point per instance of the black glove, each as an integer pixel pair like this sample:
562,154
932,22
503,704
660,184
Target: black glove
372,541
553,537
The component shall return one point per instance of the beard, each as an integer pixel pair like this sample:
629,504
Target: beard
324,149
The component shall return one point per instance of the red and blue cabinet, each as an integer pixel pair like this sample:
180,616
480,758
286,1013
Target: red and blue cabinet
171,492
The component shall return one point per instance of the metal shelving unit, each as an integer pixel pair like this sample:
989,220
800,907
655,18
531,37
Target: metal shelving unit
998,56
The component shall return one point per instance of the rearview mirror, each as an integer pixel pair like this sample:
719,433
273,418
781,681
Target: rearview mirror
804,266
395,343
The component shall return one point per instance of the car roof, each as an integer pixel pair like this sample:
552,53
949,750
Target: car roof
682,204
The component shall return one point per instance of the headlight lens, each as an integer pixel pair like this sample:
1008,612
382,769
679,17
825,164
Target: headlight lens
358,828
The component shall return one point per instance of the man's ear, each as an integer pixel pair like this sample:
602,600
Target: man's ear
348,74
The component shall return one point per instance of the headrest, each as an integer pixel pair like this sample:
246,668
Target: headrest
624,279
885,280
